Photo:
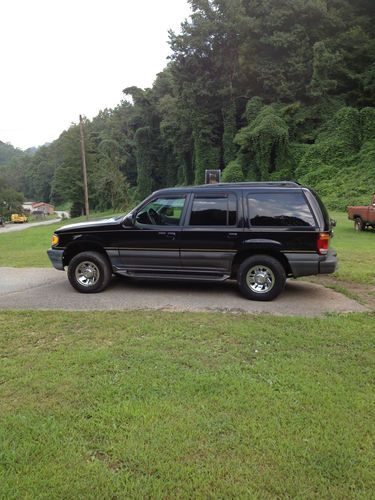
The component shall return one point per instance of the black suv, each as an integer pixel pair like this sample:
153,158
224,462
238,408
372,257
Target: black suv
256,233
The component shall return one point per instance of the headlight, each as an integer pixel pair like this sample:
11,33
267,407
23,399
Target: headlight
55,240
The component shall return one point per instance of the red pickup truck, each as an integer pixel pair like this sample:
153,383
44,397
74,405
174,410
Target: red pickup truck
363,216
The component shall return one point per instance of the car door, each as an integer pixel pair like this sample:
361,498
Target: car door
210,235
153,242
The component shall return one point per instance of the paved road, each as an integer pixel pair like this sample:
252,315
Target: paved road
49,289
10,228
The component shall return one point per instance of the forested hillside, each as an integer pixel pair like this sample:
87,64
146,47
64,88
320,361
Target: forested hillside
7,152
265,90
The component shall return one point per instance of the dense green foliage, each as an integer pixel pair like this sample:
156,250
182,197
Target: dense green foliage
269,90
10,200
341,163
7,152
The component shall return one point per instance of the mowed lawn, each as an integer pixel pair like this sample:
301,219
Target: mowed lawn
356,251
162,405
28,248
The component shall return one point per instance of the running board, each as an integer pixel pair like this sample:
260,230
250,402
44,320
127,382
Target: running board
174,277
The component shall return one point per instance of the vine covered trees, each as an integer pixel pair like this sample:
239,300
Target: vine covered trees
268,90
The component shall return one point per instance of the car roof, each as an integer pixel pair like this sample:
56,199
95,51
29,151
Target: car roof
231,186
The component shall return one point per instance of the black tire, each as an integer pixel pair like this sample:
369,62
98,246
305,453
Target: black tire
97,264
359,225
269,269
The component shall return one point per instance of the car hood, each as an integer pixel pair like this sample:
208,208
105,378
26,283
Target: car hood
95,224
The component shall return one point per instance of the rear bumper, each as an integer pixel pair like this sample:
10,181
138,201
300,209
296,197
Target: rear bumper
329,264
310,264
56,257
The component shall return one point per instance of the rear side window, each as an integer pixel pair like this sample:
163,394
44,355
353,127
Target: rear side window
214,211
279,209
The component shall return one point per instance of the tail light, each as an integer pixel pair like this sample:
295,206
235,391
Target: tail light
323,243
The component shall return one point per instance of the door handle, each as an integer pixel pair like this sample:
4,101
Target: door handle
232,236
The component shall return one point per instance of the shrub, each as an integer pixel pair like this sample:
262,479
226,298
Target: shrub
233,172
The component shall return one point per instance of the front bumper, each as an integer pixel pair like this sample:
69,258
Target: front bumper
56,257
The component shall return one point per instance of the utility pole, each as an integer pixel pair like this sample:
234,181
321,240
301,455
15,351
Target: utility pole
84,169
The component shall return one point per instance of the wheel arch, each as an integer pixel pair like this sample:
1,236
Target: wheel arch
82,246
245,253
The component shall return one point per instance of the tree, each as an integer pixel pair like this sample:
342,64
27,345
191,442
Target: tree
258,87
10,200
111,190
144,161
233,172
8,152
267,139
67,182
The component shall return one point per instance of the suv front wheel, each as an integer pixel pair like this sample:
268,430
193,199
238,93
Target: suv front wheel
89,272
261,277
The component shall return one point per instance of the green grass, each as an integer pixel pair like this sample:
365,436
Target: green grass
28,248
162,405
356,250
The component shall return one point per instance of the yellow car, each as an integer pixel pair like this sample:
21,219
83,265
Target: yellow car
18,218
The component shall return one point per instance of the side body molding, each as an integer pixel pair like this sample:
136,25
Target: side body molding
261,243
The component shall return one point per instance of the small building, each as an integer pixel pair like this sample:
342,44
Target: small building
27,207
38,207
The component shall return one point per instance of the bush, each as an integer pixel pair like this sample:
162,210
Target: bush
233,172
77,209
341,164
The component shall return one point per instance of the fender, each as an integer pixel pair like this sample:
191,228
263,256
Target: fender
85,241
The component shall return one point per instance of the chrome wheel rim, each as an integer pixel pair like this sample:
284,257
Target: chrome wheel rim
260,279
87,273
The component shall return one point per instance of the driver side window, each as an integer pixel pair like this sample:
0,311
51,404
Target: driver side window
161,212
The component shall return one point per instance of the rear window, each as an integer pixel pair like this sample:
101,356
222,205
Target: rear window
279,209
214,211
322,207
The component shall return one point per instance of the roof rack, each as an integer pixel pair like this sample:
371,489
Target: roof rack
253,184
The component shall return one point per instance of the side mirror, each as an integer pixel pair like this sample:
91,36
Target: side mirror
333,223
129,220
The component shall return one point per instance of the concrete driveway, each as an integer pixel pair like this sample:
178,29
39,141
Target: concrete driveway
10,228
31,288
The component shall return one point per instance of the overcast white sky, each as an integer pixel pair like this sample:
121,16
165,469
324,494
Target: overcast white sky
63,58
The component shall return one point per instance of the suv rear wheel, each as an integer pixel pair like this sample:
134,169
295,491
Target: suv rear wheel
261,277
89,272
